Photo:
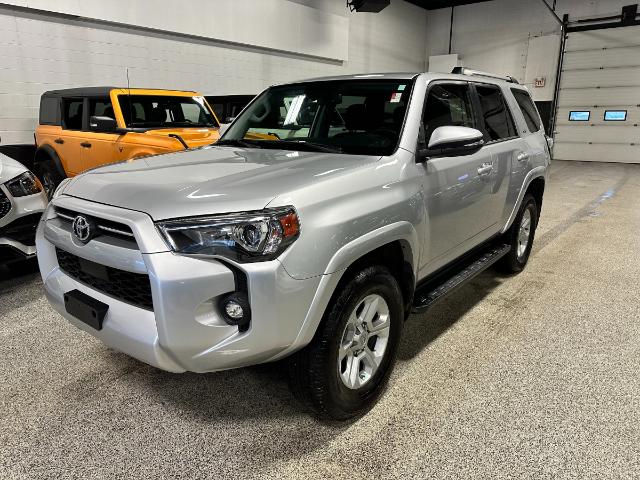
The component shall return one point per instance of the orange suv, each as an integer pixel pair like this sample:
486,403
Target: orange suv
83,128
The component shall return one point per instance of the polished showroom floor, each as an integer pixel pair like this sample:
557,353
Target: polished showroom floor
534,376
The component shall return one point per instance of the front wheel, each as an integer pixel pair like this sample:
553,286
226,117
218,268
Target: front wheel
342,372
49,176
520,236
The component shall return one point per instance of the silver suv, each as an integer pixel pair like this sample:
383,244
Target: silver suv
328,211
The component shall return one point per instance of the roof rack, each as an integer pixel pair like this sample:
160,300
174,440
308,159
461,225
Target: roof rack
468,71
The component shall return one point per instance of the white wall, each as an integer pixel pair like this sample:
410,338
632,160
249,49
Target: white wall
494,36
41,52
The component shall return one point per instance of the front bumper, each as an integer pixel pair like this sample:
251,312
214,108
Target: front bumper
185,331
16,226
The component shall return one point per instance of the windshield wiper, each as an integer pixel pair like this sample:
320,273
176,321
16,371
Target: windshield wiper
315,147
231,142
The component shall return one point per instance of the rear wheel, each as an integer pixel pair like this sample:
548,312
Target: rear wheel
49,176
520,236
342,372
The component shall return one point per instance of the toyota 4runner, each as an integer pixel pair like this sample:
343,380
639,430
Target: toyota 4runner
328,211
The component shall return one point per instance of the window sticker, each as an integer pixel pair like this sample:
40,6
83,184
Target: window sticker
581,116
401,88
615,116
396,97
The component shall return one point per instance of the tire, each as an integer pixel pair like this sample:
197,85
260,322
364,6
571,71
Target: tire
518,256
320,373
49,176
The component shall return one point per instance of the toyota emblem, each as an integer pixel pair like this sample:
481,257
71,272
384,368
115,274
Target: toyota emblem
82,228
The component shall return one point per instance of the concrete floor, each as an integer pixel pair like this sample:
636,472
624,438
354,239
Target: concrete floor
534,376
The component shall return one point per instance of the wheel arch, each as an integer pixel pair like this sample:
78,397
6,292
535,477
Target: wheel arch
46,153
534,183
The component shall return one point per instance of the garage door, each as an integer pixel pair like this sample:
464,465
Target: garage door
599,101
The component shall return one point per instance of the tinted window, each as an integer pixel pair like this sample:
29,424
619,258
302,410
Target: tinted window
353,116
164,111
497,118
49,111
448,105
528,110
72,113
101,107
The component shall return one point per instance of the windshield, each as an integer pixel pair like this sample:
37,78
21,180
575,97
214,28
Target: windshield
163,111
362,117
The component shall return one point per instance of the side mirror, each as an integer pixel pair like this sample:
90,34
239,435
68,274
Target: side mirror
103,124
452,142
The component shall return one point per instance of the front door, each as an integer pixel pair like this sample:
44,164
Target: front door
457,189
101,148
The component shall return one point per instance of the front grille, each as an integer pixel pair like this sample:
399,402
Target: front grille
23,229
132,288
5,204
106,227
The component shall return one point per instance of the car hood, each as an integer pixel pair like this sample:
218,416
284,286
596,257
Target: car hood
9,168
194,137
209,180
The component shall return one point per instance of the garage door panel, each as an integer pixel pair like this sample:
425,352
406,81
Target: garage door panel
608,38
607,78
594,134
614,97
589,59
597,153
600,71
597,117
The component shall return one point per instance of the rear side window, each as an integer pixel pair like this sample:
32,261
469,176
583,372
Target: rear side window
72,113
49,111
448,105
528,110
498,123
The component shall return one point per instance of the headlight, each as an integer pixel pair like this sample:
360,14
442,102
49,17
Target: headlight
23,185
245,237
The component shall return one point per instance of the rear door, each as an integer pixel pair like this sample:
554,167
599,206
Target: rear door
504,145
457,188
68,145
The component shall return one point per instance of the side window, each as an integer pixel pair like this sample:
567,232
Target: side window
448,105
49,111
498,123
528,110
101,107
72,113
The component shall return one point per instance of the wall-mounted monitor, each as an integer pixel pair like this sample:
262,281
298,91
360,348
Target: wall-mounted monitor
615,116
581,116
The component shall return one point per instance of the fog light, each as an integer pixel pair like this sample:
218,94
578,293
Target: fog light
236,309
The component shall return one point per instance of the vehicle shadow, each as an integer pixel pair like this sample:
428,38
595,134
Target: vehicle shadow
422,329
262,391
23,276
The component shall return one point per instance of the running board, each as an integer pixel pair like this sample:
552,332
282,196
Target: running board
455,276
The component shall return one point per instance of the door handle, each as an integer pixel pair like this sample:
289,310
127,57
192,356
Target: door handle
485,169
59,141
85,145
522,156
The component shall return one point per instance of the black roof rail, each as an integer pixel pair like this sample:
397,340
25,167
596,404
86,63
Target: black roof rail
468,71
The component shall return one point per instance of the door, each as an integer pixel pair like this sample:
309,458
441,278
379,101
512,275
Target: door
456,188
101,148
599,99
505,146
72,135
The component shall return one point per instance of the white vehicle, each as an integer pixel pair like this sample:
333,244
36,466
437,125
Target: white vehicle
327,212
22,201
